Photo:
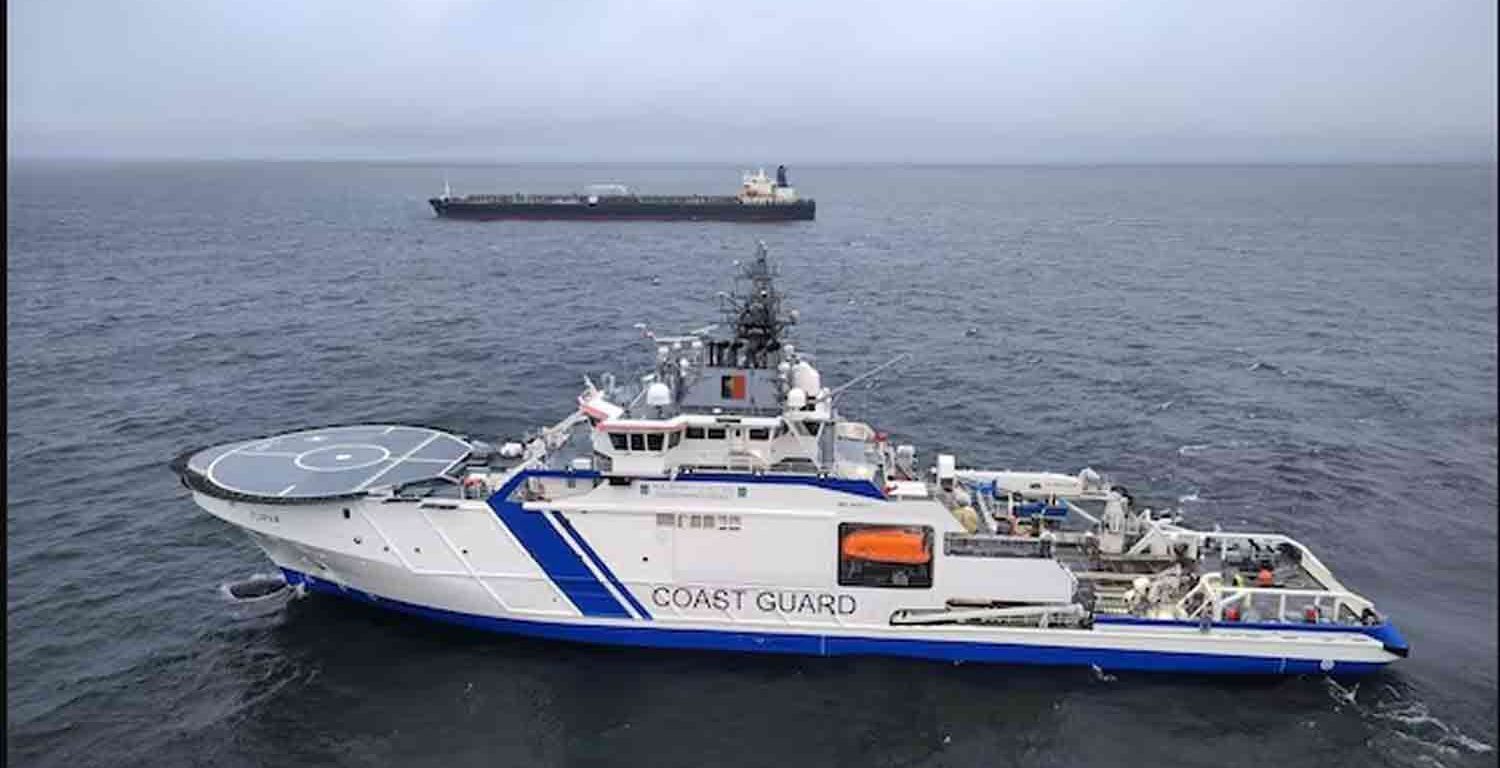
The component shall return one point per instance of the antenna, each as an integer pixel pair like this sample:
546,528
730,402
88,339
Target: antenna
756,314
447,192
867,374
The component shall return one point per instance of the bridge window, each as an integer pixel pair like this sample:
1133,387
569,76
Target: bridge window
653,441
695,433
716,433
617,440
673,439
893,556
760,434
637,442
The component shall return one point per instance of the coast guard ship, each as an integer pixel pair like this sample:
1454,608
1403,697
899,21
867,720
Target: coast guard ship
724,502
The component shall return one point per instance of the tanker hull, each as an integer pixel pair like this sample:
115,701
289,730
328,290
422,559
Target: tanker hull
727,209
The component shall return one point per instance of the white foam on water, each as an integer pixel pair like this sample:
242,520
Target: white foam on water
264,605
1188,450
1411,721
1193,496
1415,715
1340,693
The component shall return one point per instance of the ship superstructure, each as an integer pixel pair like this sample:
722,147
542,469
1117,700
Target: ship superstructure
722,501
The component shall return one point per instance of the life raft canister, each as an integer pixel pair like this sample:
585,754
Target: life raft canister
1265,578
886,545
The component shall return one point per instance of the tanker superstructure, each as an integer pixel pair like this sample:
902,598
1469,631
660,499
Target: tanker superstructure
759,199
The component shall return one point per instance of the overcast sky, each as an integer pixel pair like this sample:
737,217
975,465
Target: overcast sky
778,80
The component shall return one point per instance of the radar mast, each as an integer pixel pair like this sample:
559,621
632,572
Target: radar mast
756,313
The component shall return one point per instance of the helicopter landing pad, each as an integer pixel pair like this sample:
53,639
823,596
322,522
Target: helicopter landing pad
328,462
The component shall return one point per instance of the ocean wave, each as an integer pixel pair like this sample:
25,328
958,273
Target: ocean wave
1417,723
1408,720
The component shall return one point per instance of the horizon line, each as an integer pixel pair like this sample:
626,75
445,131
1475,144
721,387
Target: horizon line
720,162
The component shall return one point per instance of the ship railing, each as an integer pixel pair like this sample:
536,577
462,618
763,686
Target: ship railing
525,199
1163,532
1210,598
535,452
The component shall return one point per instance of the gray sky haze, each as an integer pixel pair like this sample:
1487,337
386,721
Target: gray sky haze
1028,81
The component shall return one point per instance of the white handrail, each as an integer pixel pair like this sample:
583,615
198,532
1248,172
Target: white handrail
1218,598
1308,560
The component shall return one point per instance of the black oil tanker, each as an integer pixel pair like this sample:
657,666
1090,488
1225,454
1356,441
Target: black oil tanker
759,199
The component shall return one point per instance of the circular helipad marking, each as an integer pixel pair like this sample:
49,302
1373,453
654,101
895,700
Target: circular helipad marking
337,458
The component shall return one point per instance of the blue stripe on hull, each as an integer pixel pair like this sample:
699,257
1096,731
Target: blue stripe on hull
864,488
820,645
598,561
547,547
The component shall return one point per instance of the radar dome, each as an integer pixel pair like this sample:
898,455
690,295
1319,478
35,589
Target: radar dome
806,378
796,398
658,395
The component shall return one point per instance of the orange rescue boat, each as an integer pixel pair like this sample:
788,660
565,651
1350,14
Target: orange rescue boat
886,545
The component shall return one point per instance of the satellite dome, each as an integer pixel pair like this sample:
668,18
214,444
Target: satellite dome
796,398
658,395
806,378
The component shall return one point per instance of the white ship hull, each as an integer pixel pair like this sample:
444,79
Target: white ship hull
725,504
581,576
